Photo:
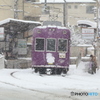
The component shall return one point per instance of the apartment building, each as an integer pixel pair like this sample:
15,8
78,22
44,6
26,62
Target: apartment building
19,9
38,10
11,9
75,10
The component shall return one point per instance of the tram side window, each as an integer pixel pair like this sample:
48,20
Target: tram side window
62,45
39,44
50,44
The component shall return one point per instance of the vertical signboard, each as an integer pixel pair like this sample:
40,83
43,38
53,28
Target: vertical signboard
1,33
22,47
88,33
98,16
1,61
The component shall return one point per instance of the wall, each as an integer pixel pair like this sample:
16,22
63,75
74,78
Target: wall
1,61
6,9
73,14
24,9
75,51
34,11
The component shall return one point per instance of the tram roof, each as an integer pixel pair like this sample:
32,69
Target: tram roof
52,26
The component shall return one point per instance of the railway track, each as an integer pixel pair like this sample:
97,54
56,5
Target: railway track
47,95
68,77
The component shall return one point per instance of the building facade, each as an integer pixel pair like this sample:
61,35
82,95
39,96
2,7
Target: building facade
19,9
38,10
75,10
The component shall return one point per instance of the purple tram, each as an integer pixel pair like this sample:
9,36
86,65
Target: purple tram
51,49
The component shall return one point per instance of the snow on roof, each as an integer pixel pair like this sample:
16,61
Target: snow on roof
87,22
84,45
11,19
52,26
61,1
90,48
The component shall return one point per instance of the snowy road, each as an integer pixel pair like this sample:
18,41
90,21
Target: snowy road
13,88
13,93
23,84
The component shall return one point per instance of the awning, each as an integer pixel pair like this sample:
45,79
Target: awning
87,23
17,26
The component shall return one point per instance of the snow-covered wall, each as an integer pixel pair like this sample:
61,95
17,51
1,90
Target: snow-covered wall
1,61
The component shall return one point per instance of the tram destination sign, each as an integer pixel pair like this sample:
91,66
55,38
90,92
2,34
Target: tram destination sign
88,33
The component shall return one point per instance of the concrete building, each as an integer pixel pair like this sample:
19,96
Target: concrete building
75,10
11,9
35,10
19,9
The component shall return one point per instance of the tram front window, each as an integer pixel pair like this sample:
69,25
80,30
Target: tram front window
62,45
40,44
50,44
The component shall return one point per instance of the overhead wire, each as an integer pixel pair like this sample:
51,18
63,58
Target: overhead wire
7,3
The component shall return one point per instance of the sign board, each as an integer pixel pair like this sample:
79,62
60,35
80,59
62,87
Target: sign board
2,61
1,32
87,33
22,47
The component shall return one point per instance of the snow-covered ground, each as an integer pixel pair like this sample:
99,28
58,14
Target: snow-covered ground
24,84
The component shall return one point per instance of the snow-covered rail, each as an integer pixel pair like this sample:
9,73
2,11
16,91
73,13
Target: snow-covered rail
46,95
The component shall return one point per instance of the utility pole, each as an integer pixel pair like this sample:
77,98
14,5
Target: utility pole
98,38
65,13
45,6
98,33
23,8
15,9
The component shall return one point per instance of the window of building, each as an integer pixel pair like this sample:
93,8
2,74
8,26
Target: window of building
46,10
31,0
75,6
89,9
31,18
69,6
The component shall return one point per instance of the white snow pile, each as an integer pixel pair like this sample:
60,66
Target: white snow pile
87,22
82,69
76,78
